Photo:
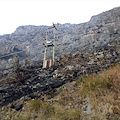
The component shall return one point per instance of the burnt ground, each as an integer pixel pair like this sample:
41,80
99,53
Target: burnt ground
34,82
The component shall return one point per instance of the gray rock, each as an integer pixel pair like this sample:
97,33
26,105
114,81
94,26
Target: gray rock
100,30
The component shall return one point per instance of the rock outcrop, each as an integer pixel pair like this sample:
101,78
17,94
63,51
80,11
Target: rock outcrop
28,83
99,31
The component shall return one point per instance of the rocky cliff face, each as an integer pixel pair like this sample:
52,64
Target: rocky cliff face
93,35
34,82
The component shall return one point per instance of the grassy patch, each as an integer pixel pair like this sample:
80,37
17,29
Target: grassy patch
46,109
36,105
71,114
107,79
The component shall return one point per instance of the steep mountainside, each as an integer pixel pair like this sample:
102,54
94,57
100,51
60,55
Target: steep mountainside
34,81
100,30
83,84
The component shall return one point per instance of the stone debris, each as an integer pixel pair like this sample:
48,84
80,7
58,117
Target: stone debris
36,81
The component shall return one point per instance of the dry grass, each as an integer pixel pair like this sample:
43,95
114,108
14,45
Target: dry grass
109,79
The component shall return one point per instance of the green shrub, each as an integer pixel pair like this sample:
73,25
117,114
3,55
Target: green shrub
47,110
24,117
70,114
79,81
61,101
36,105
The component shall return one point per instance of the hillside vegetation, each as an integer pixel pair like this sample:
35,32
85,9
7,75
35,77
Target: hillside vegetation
92,97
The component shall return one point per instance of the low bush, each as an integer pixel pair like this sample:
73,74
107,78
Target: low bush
71,114
46,109
36,105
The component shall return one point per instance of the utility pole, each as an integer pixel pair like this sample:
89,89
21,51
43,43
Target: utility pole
48,63
45,52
